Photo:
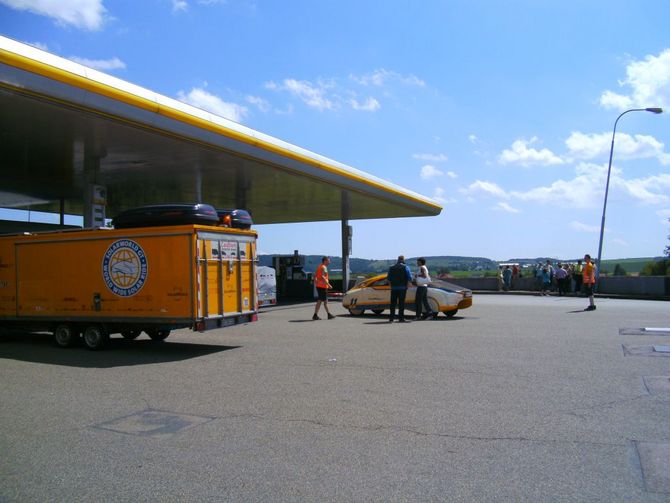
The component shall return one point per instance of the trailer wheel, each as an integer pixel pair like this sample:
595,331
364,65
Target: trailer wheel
95,337
65,335
451,314
158,335
378,311
356,312
131,334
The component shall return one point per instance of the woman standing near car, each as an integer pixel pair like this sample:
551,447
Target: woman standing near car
422,278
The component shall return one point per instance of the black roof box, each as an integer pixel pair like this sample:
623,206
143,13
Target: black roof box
238,219
166,214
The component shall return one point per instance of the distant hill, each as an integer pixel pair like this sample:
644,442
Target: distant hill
455,263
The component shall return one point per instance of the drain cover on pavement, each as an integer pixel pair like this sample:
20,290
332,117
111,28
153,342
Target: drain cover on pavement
655,464
153,423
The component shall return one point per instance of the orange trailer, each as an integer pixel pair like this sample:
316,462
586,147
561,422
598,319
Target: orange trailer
153,279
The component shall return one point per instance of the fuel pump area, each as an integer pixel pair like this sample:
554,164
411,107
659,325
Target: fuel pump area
76,141
293,282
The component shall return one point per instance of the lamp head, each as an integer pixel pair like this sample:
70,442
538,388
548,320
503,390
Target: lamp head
655,110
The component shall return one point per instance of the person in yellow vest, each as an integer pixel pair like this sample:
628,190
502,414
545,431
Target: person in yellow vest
322,285
589,280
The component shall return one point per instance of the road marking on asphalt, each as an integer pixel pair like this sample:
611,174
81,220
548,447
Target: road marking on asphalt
655,464
644,331
640,350
153,423
657,385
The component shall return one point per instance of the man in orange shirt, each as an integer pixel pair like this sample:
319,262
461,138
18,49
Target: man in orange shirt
322,285
589,280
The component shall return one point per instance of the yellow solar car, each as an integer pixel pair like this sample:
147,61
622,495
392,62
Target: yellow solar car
374,294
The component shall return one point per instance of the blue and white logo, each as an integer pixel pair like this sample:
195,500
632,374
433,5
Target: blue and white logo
125,268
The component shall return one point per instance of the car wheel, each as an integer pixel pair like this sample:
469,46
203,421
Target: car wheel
65,335
451,314
131,334
378,311
356,312
158,335
95,337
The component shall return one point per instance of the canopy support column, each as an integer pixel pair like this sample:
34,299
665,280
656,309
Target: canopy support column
95,196
346,239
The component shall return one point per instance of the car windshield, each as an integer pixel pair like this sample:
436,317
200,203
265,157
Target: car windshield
438,283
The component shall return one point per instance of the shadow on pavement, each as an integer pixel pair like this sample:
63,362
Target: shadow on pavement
40,348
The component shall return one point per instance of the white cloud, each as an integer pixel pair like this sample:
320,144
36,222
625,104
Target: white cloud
200,98
86,14
380,77
100,64
620,241
39,45
580,227
431,157
451,174
648,81
428,172
313,95
521,154
587,188
440,197
580,192
665,216
503,206
262,104
617,101
626,147
481,186
179,6
369,105
324,95
473,139
649,190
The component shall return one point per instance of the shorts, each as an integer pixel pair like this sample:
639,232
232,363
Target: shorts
322,294
587,289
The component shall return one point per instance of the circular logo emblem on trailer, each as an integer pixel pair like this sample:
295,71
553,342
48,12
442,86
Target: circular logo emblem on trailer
124,267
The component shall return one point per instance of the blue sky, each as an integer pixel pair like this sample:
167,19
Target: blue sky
500,110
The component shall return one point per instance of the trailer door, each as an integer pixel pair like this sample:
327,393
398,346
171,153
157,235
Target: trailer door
227,283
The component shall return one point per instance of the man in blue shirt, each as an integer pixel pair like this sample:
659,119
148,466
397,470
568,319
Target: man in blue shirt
399,277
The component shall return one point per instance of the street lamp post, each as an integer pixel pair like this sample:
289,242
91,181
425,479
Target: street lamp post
609,169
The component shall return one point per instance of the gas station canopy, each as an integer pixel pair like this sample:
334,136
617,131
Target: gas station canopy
65,127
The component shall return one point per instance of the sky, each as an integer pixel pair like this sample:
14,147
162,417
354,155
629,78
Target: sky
501,111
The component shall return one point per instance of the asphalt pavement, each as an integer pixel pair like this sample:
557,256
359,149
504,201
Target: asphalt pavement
518,398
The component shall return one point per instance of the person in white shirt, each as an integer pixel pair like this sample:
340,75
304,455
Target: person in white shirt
422,278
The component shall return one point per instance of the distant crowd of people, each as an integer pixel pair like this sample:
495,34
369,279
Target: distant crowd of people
565,278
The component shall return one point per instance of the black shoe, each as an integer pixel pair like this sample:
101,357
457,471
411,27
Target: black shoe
331,317
315,317
402,320
590,308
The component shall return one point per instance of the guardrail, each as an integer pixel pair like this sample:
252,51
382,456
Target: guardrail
638,286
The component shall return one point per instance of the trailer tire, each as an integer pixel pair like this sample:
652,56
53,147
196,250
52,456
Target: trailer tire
378,311
95,337
65,335
131,334
158,335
